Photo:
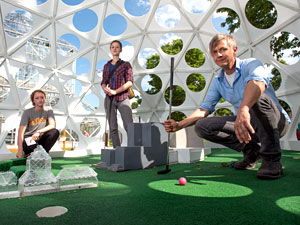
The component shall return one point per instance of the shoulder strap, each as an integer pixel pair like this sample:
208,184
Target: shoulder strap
113,70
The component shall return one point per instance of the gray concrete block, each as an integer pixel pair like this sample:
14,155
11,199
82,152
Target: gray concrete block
108,156
135,134
152,150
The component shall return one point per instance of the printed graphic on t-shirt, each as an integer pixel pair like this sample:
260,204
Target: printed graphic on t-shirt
37,121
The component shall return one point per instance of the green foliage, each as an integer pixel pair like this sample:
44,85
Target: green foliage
156,84
195,58
178,95
232,20
178,116
286,107
195,82
283,42
261,13
222,100
173,48
138,101
152,61
276,79
223,112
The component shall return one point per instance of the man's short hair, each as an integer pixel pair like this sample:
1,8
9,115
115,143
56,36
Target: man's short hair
218,37
116,41
33,93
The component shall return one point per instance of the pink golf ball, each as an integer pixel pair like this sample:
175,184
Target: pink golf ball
182,181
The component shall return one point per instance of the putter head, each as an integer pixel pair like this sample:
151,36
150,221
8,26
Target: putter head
167,170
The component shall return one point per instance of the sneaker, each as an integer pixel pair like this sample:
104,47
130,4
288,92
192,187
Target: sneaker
251,157
269,170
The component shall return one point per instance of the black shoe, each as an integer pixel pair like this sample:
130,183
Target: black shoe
251,157
269,170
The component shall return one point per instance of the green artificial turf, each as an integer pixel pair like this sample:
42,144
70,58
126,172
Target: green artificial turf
214,194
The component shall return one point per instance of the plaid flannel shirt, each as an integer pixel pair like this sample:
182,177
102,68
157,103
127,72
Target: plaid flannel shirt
121,75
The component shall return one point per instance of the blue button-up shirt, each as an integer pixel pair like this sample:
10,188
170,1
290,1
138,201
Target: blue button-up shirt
246,70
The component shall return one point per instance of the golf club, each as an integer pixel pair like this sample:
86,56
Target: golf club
167,170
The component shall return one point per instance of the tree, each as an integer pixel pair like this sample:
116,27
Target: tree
282,42
194,58
173,48
156,84
223,112
195,82
232,20
261,13
152,61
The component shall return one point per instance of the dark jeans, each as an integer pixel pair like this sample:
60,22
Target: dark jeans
111,108
47,140
268,122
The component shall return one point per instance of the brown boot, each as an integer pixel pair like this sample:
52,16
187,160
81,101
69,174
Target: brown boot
251,157
269,170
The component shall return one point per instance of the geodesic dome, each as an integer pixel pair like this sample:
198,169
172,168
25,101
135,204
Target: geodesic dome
61,46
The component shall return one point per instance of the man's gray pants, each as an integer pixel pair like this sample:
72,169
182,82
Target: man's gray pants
266,119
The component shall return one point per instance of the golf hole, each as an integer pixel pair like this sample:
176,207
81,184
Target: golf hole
52,211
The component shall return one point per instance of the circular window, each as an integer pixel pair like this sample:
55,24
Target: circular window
195,82
194,58
137,100
171,43
167,16
148,58
36,2
27,77
18,23
286,107
4,88
68,140
114,24
72,88
81,66
151,84
178,116
52,95
223,112
274,76
137,7
178,95
226,20
127,51
67,44
196,6
261,13
72,2
90,126
37,48
90,102
81,17
285,48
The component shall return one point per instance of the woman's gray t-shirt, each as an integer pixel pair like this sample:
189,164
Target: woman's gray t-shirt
35,121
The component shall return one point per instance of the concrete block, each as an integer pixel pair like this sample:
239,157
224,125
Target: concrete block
186,138
173,156
190,155
135,134
108,156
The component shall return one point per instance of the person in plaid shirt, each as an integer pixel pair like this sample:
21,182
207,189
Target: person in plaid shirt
116,89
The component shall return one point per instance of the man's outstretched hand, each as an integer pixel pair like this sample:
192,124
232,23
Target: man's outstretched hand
243,126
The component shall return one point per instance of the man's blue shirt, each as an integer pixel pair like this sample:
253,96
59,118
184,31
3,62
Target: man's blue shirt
246,70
